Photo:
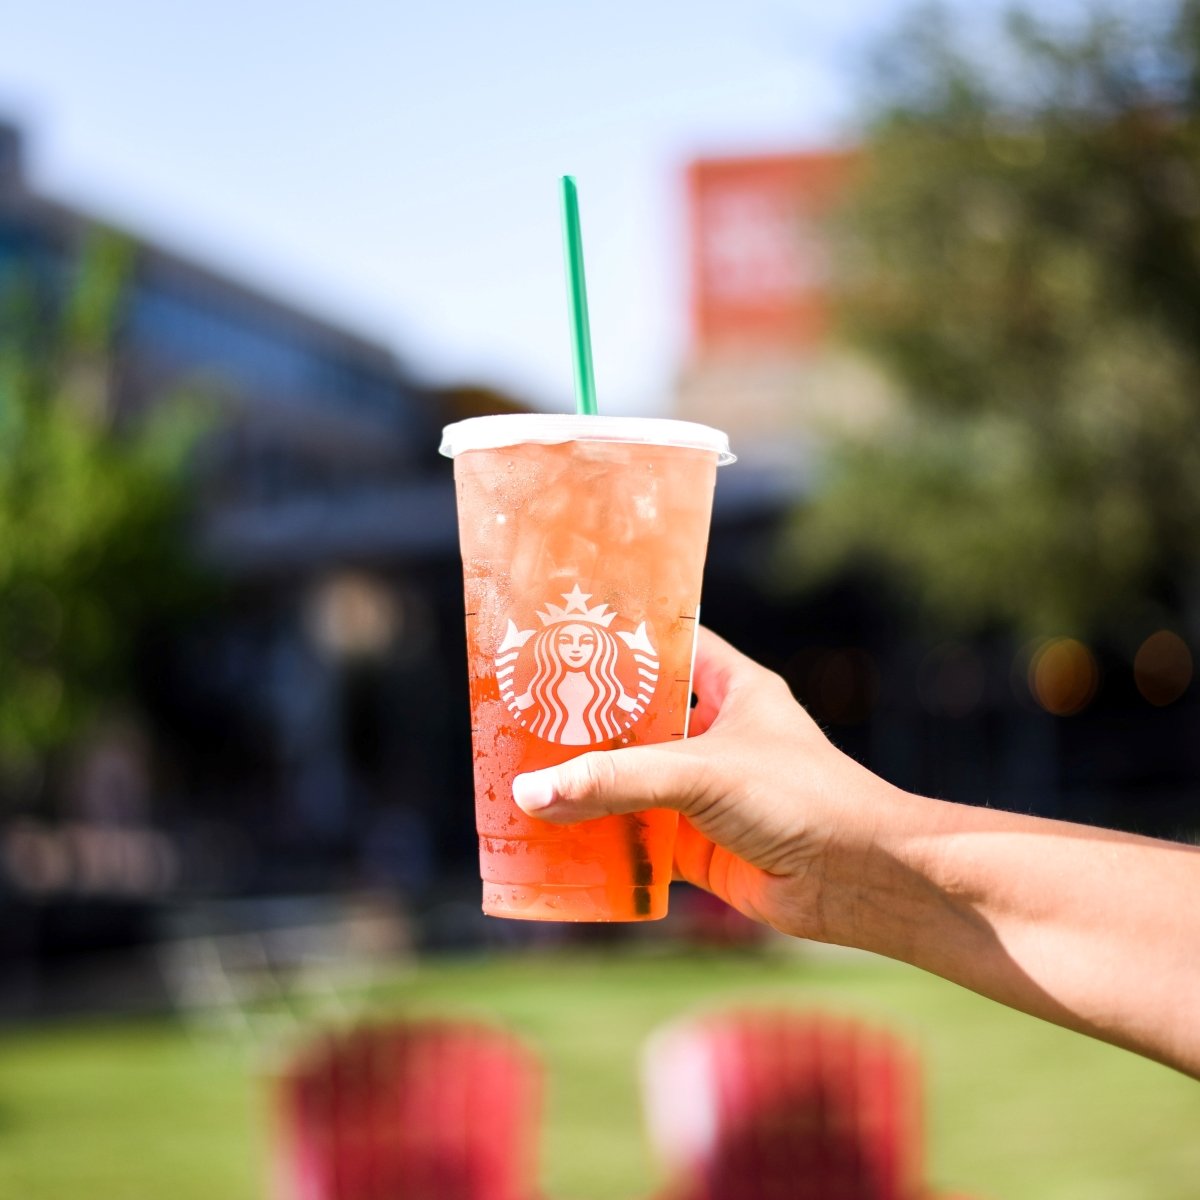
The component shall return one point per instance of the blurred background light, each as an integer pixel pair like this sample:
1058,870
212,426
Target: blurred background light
35,860
1063,676
842,685
951,680
352,615
1162,668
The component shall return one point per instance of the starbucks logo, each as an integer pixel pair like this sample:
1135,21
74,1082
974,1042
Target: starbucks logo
573,680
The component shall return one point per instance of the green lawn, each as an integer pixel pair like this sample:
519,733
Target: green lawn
1017,1109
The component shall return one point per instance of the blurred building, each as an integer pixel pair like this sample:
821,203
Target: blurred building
316,703
1055,727
308,731
761,359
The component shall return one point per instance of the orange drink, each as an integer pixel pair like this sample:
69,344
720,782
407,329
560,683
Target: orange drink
583,542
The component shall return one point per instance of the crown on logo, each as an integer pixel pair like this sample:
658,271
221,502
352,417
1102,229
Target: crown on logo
576,609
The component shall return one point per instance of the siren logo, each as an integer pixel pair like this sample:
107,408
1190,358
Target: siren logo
574,681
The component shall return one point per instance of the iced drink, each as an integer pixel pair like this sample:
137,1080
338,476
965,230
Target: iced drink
583,543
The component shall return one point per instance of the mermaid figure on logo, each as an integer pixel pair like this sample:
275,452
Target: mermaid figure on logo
575,696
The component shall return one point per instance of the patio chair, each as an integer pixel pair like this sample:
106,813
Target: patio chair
433,1110
771,1105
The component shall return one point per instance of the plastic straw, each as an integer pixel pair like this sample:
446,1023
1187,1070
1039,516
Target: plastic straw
581,335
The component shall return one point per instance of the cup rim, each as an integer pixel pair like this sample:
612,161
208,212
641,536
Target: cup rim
512,429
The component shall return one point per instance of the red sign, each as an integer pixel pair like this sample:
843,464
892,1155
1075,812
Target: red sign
759,257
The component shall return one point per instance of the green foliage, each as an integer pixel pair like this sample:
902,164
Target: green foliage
1023,256
89,513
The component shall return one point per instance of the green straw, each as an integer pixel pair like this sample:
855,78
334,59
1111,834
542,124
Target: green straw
581,336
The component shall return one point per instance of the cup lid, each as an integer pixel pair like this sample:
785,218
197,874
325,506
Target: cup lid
513,429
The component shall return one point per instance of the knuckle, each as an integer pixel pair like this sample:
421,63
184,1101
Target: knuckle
593,775
779,685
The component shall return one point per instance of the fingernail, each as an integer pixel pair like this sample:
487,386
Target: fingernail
534,791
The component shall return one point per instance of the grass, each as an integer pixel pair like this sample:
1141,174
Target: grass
1016,1108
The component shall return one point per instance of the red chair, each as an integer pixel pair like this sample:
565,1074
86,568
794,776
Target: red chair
765,1105
421,1111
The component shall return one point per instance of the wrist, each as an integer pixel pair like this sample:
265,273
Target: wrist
882,890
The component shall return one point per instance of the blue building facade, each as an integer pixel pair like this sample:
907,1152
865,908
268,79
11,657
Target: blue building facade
282,723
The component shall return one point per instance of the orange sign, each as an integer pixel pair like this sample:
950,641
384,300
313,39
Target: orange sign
759,259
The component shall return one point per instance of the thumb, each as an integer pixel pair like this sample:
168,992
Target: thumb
607,782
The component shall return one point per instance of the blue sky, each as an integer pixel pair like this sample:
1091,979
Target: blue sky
393,165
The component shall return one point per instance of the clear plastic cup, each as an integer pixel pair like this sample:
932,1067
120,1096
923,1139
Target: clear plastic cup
583,543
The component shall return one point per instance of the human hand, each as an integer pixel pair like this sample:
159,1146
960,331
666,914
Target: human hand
776,820
1051,918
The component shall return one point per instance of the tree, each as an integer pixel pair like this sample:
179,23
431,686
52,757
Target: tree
1022,254
90,512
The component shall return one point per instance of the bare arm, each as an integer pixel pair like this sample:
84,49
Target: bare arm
1095,930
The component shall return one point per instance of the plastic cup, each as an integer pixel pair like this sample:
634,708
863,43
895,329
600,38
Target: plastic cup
583,542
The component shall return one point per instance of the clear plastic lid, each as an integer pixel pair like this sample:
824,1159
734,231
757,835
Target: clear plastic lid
514,429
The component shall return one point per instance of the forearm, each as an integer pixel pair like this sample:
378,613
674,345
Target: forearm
1092,929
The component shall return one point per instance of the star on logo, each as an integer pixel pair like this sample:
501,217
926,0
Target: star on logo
576,609
576,599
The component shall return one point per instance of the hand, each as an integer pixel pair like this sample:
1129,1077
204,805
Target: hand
1093,929
773,814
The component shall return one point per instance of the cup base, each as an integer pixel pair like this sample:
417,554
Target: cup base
555,902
